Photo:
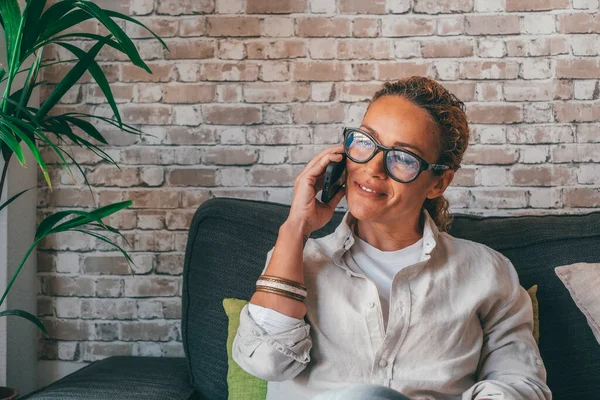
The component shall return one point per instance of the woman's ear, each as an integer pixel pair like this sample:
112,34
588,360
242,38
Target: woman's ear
441,183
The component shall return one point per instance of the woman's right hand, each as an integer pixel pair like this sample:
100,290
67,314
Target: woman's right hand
306,210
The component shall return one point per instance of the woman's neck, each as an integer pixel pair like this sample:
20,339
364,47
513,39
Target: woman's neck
386,237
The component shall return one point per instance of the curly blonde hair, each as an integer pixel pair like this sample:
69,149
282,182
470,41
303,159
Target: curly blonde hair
448,113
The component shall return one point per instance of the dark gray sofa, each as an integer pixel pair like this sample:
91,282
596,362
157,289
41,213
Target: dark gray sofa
226,249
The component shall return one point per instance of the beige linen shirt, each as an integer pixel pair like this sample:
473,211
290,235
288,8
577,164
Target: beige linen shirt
460,327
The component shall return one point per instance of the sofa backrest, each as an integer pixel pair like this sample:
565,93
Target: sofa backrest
226,252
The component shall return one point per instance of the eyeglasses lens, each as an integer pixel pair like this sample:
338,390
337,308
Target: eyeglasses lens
401,165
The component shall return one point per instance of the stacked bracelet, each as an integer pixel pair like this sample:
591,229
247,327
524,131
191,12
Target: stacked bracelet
281,286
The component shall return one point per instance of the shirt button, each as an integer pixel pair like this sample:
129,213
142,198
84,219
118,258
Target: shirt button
370,304
382,363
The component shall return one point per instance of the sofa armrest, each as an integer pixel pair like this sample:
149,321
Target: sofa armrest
123,377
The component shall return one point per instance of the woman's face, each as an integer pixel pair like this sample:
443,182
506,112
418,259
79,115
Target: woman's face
392,119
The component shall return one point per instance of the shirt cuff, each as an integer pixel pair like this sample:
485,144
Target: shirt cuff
270,320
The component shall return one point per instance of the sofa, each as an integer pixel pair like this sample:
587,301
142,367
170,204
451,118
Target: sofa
226,250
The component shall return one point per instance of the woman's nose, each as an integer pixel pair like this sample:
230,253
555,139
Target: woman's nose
375,166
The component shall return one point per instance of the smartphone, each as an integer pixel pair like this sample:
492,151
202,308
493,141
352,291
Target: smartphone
334,179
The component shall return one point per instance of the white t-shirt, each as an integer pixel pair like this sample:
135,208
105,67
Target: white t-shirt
378,266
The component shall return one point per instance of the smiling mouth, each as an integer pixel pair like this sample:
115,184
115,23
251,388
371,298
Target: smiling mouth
368,191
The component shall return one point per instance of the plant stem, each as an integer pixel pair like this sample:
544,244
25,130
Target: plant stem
4,171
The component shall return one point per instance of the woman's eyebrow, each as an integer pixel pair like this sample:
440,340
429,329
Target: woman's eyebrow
396,143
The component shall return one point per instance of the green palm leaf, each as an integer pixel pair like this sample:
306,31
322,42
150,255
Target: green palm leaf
27,316
97,74
50,225
69,80
24,132
114,29
7,202
8,138
33,12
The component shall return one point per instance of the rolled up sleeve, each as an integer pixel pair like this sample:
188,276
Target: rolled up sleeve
510,366
276,356
272,357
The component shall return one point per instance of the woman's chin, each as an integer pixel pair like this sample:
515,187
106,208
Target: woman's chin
363,208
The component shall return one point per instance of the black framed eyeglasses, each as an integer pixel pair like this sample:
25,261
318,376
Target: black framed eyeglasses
401,165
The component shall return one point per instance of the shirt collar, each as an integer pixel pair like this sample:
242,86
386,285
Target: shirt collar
343,238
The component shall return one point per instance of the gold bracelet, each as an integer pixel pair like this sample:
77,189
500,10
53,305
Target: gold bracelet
280,292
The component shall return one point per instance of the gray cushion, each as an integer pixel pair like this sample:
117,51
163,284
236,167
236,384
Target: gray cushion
229,240
123,378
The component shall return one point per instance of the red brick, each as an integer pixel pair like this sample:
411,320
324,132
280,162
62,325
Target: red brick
323,27
442,6
368,49
577,112
231,115
229,71
150,114
362,7
188,93
465,91
194,198
230,156
495,198
276,6
538,91
190,49
398,70
542,175
171,264
365,27
447,48
180,7
578,153
163,27
269,175
319,71
192,26
354,91
535,5
179,219
192,177
233,26
108,175
488,70
493,113
283,48
540,134
490,155
583,68
318,113
579,23
160,73
492,24
542,46
404,25
150,286
276,92
153,198
581,197
362,71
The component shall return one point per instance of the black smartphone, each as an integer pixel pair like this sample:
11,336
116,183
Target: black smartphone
334,179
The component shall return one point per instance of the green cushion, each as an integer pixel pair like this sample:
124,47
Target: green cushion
241,385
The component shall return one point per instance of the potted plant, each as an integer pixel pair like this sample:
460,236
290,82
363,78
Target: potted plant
27,31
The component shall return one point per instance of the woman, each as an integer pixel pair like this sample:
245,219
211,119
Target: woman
390,304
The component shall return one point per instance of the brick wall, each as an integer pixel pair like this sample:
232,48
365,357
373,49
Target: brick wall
251,90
